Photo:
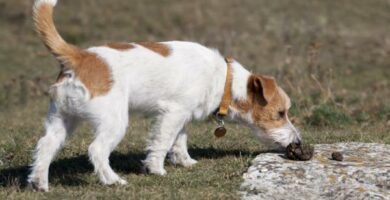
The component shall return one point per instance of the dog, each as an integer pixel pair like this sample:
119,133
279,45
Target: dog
175,81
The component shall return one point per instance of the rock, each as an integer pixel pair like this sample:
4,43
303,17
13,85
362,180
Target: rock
337,156
363,174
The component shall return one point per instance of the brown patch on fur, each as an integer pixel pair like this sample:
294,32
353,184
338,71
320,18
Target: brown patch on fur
159,48
267,86
121,46
93,72
268,116
265,105
243,106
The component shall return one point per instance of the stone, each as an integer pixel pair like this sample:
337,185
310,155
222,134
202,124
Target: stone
363,174
337,156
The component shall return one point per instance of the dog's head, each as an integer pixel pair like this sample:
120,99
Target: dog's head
266,111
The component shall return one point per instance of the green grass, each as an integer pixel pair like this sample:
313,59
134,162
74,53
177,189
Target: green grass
329,115
330,56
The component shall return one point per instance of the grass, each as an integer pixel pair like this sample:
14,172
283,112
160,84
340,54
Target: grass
330,56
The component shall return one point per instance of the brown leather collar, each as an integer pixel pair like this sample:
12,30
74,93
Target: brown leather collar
227,92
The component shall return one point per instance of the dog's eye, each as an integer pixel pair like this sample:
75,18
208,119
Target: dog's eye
282,114
68,75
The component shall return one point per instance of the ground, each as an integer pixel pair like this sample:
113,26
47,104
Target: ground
330,56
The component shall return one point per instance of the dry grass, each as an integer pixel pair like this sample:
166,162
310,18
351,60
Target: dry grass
332,57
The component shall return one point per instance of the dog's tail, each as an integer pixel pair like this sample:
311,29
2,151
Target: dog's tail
44,25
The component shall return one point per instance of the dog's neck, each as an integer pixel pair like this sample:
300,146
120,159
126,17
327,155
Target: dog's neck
239,85
240,81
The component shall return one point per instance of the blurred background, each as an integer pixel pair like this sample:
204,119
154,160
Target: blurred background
331,56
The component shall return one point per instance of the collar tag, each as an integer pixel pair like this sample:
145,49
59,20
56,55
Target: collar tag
220,131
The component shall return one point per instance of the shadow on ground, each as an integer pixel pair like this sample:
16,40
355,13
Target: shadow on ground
64,170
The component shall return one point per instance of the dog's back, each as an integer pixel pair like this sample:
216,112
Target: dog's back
191,75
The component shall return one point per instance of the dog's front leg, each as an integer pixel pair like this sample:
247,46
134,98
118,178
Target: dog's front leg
179,152
163,135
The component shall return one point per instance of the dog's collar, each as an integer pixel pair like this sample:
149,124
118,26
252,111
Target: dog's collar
227,92
223,109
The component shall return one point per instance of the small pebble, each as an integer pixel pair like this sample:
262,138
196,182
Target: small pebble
337,156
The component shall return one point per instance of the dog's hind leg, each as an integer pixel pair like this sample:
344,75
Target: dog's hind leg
164,133
110,127
179,152
58,126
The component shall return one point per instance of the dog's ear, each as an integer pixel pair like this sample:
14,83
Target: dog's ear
263,88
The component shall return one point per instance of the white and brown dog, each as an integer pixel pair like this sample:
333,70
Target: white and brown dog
175,81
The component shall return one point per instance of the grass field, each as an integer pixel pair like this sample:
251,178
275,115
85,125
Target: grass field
332,57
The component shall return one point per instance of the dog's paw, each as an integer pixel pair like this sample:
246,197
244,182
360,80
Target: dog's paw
160,172
36,187
116,180
188,162
122,182
184,161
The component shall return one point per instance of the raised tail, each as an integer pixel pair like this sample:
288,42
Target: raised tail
44,25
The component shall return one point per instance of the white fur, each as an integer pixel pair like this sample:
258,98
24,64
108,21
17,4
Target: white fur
281,136
188,84
240,81
40,2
